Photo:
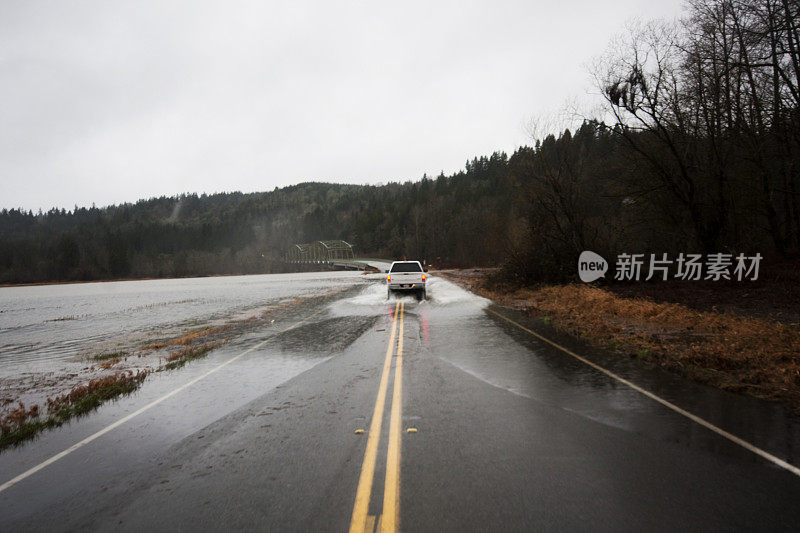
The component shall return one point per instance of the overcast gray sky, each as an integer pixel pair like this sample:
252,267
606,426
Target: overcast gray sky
106,102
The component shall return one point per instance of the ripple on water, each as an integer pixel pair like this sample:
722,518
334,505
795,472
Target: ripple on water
49,325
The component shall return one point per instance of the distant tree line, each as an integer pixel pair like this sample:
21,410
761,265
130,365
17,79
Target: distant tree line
448,219
699,151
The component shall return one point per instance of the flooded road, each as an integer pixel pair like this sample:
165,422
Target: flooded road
498,430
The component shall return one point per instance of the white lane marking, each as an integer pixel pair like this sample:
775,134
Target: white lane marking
719,431
150,405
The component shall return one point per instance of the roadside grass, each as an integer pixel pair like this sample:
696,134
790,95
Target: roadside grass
107,356
196,344
105,365
23,423
107,360
186,354
752,355
191,336
741,354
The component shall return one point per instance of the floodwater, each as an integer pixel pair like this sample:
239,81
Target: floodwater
45,328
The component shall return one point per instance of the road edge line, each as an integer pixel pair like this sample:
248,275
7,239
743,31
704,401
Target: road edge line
708,425
80,444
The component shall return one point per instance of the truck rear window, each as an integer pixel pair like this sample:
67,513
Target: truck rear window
406,267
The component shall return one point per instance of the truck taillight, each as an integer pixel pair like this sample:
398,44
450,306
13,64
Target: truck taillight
423,277
388,278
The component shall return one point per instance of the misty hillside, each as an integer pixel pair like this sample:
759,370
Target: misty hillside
532,213
450,217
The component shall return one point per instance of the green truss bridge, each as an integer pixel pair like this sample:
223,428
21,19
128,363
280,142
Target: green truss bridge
337,254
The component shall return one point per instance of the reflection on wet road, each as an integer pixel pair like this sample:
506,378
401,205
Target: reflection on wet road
508,432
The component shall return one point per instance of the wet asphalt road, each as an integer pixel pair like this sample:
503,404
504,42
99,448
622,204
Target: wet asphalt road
511,435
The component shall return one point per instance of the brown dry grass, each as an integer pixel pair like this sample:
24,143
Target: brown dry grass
154,346
753,355
99,389
187,353
17,417
19,423
105,365
23,423
192,336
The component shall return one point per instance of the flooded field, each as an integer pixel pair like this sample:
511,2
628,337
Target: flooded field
42,328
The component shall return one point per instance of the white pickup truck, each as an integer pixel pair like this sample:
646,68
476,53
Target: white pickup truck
406,276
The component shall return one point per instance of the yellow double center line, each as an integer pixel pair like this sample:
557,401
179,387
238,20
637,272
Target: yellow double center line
389,518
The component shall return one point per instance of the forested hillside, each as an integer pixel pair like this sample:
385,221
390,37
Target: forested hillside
450,217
